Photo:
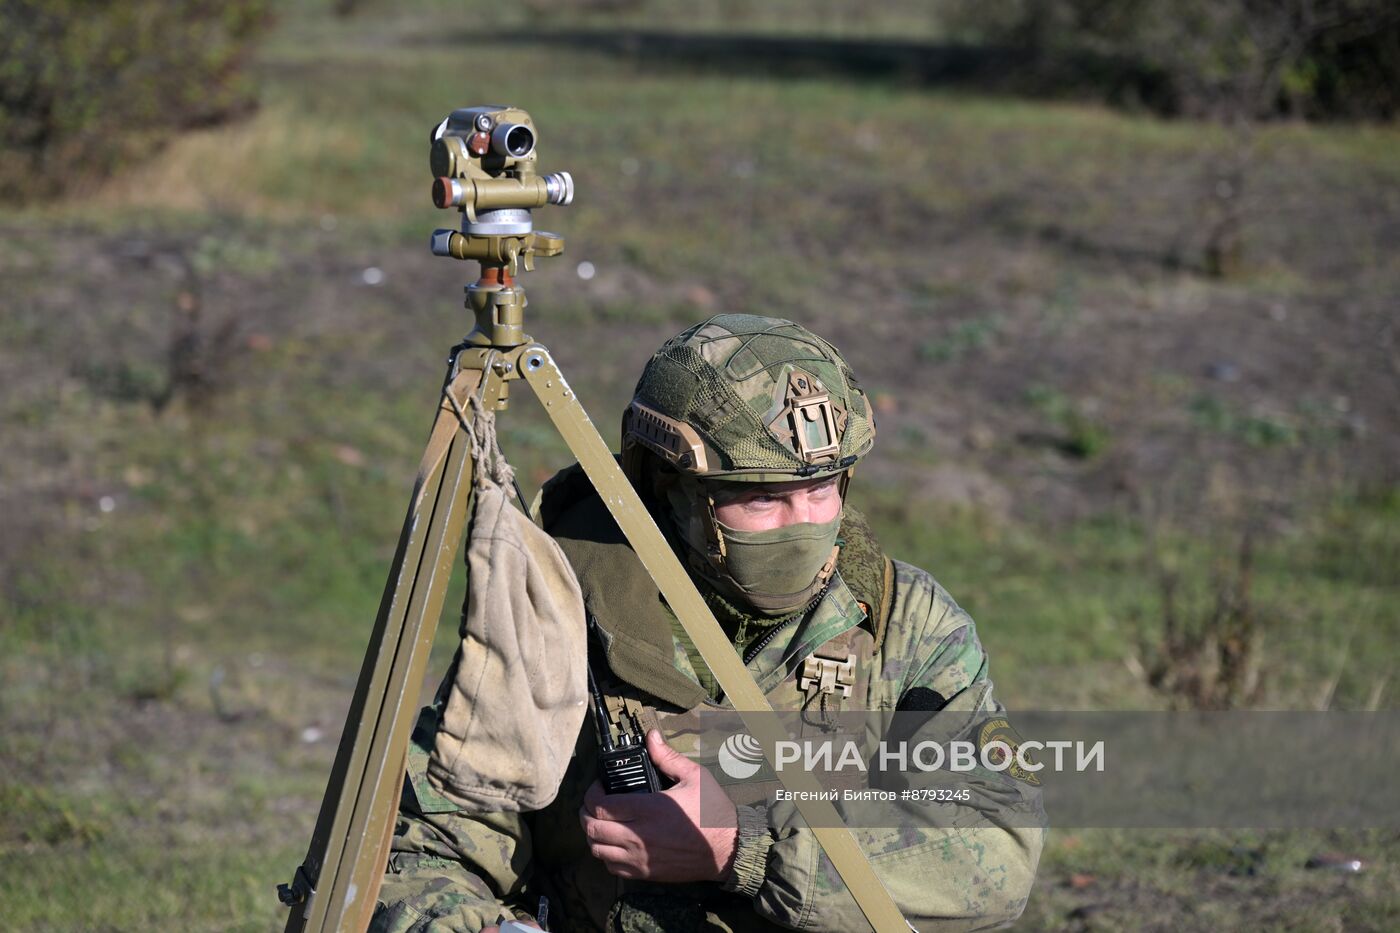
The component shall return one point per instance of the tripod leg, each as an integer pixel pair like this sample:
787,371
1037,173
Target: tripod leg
336,886
380,860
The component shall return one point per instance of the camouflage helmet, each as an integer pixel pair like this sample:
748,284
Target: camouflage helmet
744,397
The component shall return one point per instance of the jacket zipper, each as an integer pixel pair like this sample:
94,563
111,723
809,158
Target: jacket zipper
757,647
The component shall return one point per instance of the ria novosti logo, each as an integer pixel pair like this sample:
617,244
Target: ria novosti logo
998,748
740,756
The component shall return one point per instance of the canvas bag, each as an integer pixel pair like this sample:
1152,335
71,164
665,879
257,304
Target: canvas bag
519,689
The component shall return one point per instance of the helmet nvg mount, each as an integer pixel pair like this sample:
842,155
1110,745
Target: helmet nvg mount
747,398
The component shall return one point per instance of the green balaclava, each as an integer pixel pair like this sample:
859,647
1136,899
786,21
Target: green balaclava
776,571
744,398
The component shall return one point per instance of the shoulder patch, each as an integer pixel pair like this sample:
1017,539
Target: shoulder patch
999,731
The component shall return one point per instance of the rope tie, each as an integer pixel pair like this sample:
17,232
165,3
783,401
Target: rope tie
491,465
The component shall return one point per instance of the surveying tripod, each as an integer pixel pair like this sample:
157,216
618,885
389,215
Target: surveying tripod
484,160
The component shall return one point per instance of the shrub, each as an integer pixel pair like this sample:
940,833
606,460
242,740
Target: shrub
1231,59
88,85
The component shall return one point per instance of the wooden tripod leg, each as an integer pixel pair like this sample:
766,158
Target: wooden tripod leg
381,862
336,885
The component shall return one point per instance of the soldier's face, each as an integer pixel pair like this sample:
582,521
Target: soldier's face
765,506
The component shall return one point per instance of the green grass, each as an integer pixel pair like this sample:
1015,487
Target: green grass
1210,880
134,883
1074,432
340,134
1055,604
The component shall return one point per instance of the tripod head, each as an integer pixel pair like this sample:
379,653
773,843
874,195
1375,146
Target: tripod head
485,165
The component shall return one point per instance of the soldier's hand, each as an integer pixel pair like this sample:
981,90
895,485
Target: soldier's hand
659,837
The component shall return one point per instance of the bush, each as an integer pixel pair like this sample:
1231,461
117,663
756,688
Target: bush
1229,59
88,85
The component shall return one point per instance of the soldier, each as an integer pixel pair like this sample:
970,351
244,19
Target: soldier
741,439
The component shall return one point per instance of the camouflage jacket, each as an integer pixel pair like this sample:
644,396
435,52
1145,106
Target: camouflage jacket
449,871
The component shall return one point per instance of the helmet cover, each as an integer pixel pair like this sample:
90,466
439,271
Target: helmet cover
745,397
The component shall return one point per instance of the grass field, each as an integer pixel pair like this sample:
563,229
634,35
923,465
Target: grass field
1070,413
